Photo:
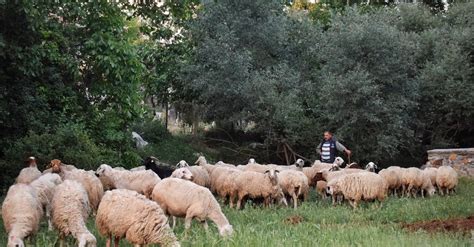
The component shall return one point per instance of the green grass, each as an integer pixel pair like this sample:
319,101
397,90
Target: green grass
324,225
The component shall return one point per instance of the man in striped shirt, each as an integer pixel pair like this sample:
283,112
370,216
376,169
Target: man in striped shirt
328,148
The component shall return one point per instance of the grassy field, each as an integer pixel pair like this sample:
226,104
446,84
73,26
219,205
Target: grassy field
323,225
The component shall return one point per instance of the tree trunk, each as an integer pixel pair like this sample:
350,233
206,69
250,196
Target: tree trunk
166,115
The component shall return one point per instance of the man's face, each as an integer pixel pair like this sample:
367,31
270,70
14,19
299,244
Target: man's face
327,136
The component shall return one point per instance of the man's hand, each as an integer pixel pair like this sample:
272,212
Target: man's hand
348,152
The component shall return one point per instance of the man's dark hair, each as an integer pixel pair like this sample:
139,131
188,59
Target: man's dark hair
328,131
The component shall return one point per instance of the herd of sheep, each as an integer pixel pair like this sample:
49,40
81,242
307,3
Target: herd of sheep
136,204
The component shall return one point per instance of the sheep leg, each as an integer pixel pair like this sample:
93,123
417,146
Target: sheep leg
187,221
334,200
174,221
116,241
61,241
205,225
440,190
109,241
295,200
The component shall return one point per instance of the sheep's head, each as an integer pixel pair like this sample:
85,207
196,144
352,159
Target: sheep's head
87,240
252,161
299,163
182,163
272,174
220,163
150,161
183,173
55,165
226,231
371,167
339,161
431,190
31,161
14,241
201,161
334,167
102,170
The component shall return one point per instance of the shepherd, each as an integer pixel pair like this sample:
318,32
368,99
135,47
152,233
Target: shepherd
329,146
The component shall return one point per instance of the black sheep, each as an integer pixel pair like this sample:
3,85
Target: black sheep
161,169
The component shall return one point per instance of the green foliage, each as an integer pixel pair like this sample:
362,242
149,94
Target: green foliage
321,224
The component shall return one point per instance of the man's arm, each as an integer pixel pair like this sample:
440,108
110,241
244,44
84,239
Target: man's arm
342,148
318,148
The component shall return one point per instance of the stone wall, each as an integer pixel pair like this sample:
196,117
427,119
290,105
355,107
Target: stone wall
461,159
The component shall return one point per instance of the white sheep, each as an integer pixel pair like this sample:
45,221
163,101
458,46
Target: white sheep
431,172
44,187
127,214
140,181
446,180
199,175
223,183
312,172
392,178
294,184
138,168
411,181
30,173
259,185
426,185
21,213
70,210
181,198
359,186
90,182
182,163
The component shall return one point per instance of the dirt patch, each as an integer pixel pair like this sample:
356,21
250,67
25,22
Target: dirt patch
464,225
294,220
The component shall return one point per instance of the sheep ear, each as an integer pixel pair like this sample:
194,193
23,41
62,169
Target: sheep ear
267,171
277,171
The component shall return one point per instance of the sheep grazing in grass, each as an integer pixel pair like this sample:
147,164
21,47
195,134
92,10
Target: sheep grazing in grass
181,198
127,214
259,185
426,186
431,172
139,181
359,186
393,180
446,180
294,184
30,173
90,182
411,181
161,169
21,214
371,167
44,187
70,210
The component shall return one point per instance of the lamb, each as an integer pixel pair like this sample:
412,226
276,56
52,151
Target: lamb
294,184
90,182
259,185
21,213
70,210
44,187
359,186
446,180
199,175
30,173
143,223
371,167
181,198
139,181
321,188
392,178
426,185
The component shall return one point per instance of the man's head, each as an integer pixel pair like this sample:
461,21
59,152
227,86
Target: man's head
327,135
